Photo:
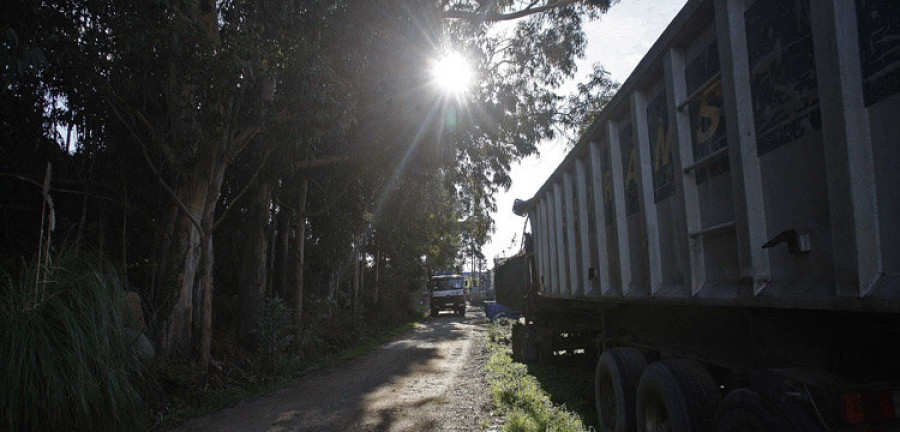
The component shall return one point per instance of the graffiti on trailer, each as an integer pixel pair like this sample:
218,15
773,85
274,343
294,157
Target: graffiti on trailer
607,185
706,112
660,148
879,48
782,72
629,165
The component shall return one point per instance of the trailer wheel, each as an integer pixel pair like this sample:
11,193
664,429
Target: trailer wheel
676,396
615,385
743,410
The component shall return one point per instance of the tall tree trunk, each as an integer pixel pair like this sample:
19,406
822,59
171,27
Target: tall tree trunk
189,274
377,271
297,298
282,253
362,272
187,270
203,333
356,277
252,280
178,272
270,287
203,306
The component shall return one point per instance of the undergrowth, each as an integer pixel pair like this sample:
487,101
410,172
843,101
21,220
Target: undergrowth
518,395
68,362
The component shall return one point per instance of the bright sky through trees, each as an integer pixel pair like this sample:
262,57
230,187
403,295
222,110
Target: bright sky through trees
618,41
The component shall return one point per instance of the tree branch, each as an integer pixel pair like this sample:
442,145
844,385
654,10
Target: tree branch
315,163
243,191
156,172
39,184
494,17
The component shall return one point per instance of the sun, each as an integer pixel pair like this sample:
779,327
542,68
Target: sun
452,73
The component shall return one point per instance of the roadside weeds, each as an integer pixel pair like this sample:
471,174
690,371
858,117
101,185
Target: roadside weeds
519,396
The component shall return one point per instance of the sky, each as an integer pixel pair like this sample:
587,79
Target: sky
618,41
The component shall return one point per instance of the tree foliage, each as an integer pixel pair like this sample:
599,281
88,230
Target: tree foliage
222,153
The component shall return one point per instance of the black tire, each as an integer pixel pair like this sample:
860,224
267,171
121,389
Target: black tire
743,410
676,396
615,387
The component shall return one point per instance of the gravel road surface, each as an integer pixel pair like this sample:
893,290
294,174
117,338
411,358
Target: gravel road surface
429,379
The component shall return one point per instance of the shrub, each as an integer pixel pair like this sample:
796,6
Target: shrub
67,359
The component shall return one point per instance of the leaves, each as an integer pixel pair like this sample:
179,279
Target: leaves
169,110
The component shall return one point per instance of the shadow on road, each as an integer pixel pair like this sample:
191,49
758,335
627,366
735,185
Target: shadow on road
392,388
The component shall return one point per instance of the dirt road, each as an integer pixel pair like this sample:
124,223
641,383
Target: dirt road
429,379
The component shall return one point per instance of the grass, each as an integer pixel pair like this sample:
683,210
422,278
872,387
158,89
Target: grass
519,395
68,363
571,385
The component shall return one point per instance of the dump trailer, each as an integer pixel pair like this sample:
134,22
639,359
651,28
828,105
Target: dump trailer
725,237
511,281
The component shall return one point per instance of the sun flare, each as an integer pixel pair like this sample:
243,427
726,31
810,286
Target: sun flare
452,73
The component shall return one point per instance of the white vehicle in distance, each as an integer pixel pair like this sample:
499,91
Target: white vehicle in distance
447,292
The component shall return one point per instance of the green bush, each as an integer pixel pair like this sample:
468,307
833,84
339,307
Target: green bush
275,329
67,359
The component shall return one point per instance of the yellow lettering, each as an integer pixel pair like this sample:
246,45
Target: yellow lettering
607,187
709,115
632,172
663,148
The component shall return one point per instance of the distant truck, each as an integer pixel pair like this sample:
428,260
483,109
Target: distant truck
448,292
724,239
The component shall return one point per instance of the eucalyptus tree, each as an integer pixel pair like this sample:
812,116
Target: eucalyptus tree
523,51
197,86
325,106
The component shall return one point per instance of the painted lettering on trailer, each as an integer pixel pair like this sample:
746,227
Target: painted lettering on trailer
661,148
879,50
706,114
782,72
629,161
607,185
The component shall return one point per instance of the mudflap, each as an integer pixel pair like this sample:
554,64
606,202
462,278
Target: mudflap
524,343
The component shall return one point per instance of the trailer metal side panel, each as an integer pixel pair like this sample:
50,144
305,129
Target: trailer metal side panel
511,281
751,159
602,191
583,187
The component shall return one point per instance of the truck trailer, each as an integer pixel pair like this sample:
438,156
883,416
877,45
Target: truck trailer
724,238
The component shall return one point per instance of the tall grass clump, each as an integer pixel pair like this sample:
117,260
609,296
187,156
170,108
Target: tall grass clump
519,395
67,359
